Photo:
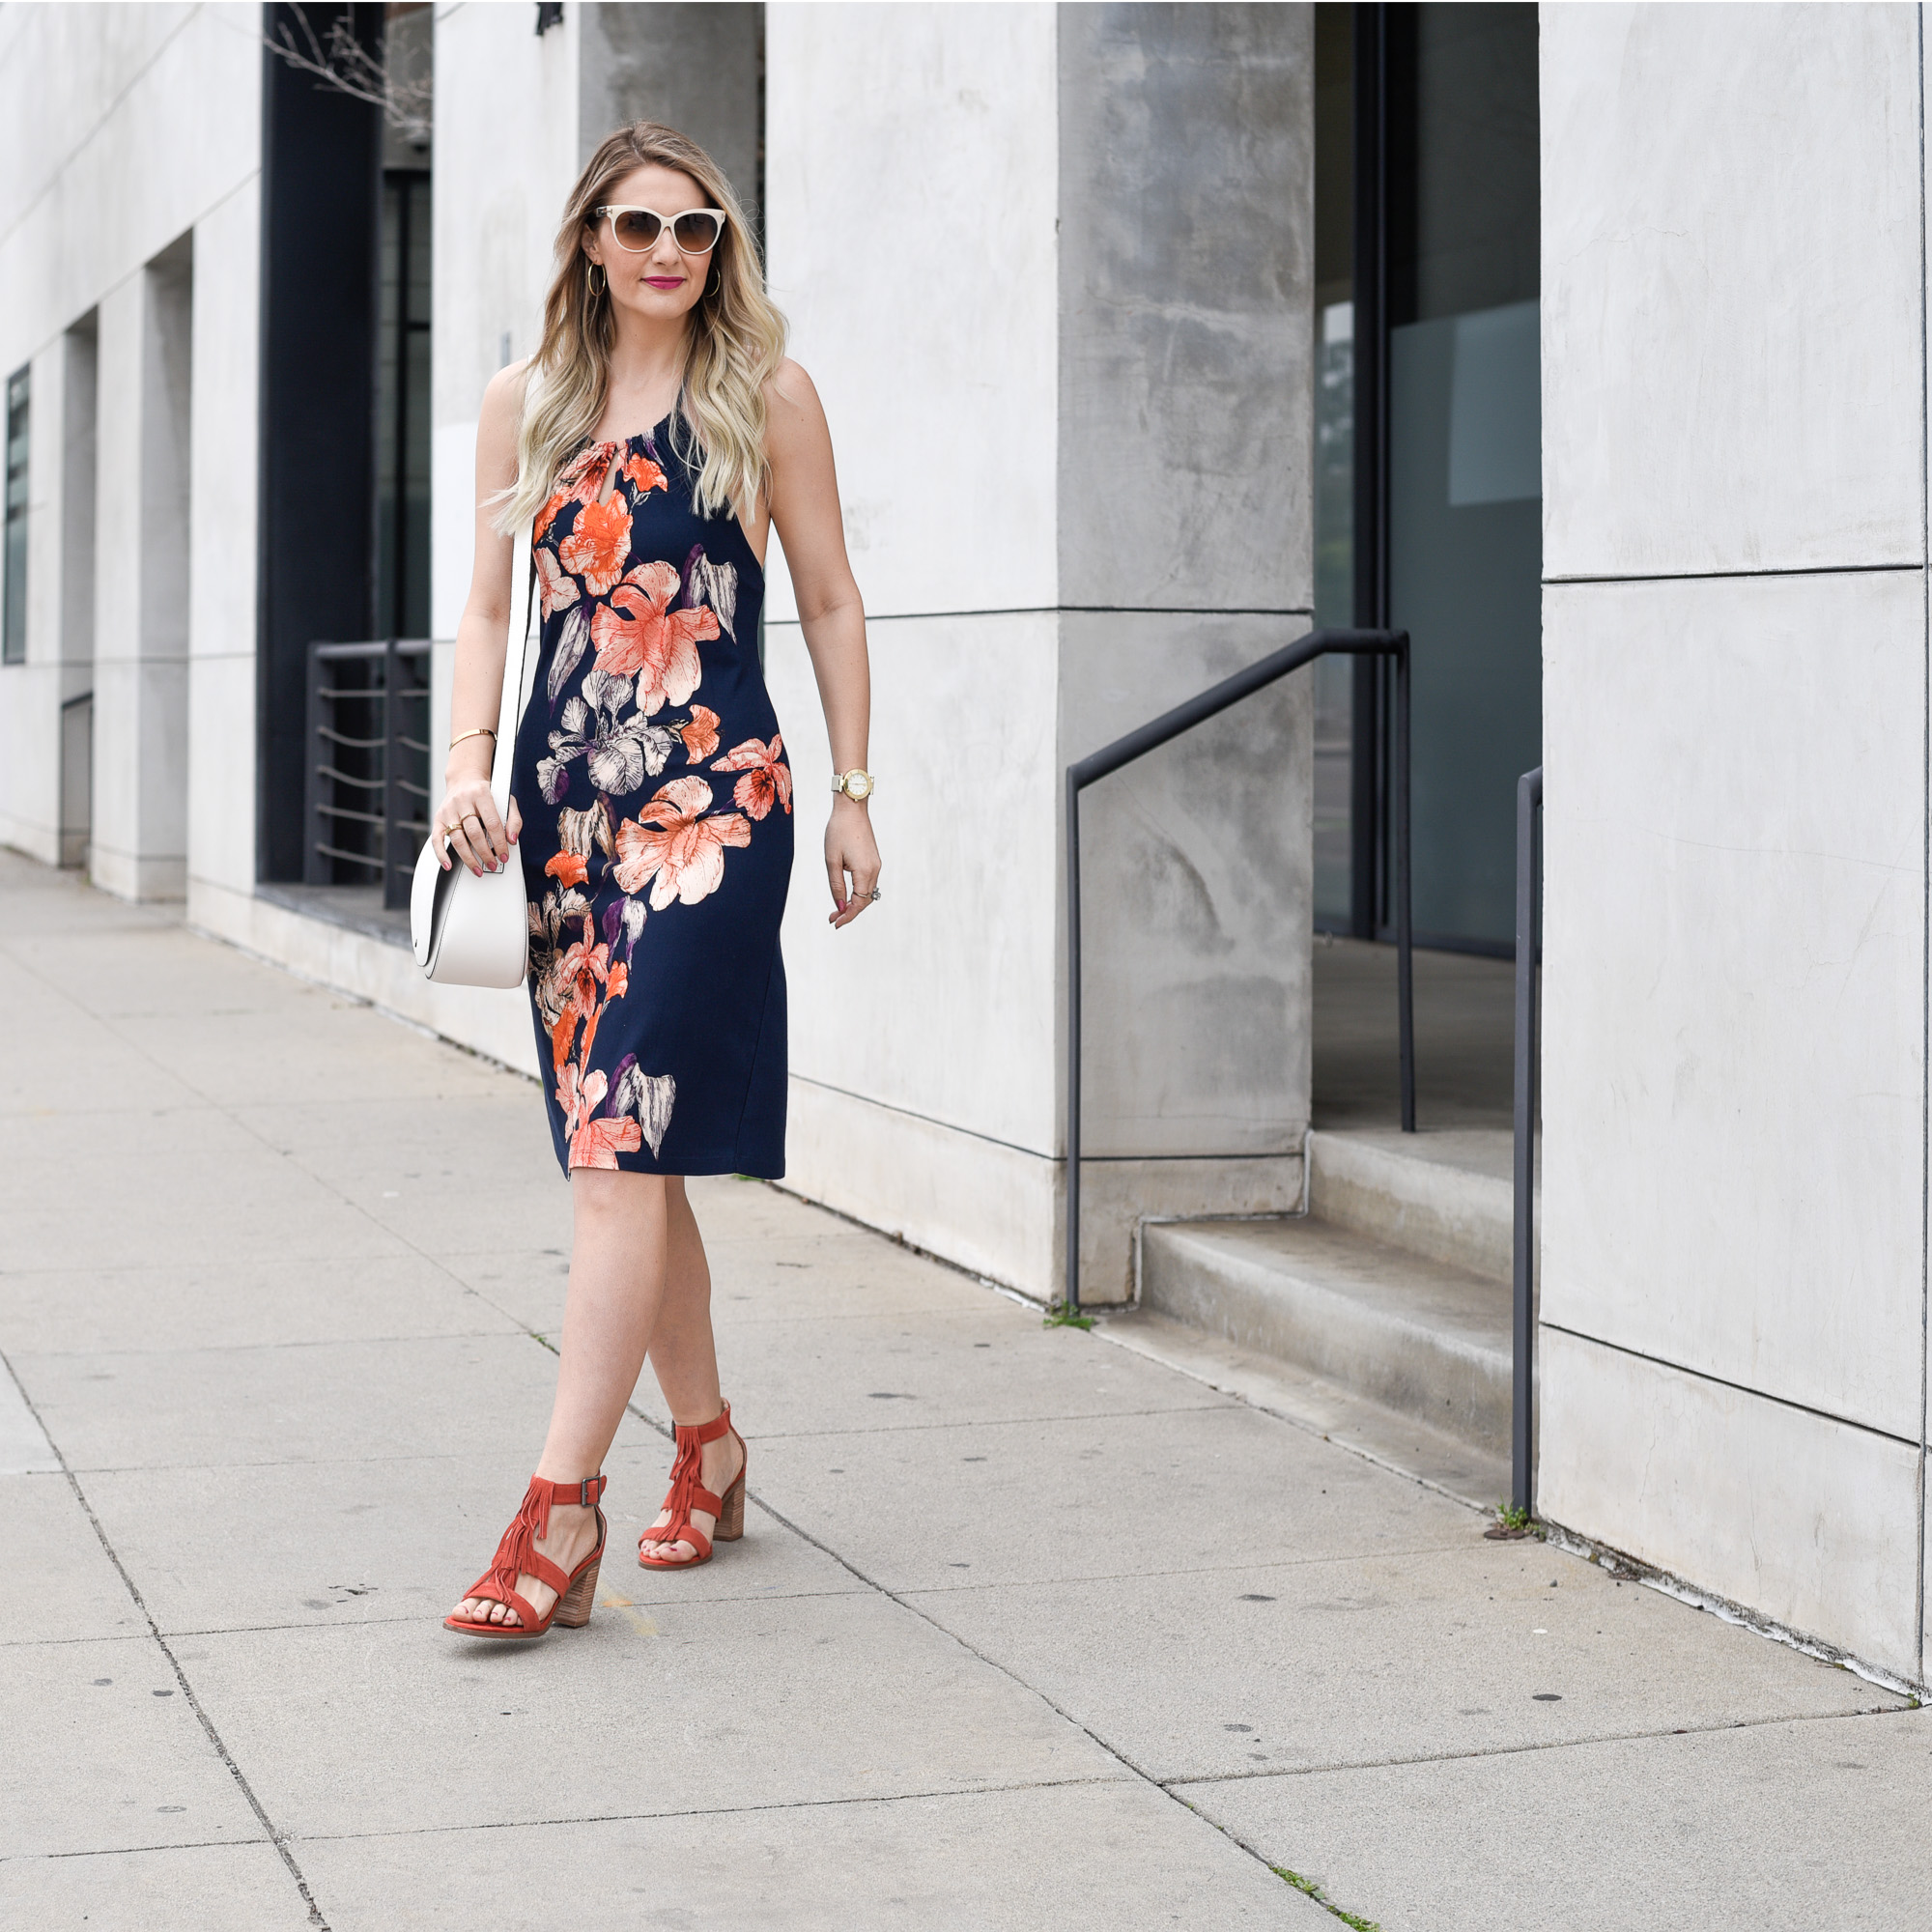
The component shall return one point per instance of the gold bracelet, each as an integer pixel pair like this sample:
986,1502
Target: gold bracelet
477,731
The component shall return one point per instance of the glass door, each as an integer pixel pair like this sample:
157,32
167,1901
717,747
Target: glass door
1438,526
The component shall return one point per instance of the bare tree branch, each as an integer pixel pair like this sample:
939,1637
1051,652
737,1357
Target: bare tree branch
347,67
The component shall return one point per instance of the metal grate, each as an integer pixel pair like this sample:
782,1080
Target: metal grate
366,794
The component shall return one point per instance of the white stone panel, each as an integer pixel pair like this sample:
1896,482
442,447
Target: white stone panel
118,689
505,158
912,245
222,539
985,1205
1186,272
124,125
939,1001
452,548
1733,1075
997,1209
1806,1520
1732,339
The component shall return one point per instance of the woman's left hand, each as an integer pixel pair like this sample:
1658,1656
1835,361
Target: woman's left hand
850,854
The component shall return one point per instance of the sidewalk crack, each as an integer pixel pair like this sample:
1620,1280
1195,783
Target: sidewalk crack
194,1704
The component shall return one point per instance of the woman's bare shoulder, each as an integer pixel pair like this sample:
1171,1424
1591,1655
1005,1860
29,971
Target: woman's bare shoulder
500,419
790,394
503,393
795,426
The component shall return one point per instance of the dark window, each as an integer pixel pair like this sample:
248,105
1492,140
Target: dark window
1427,510
13,628
402,445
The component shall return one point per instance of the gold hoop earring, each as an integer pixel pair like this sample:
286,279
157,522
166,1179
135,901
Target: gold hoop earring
597,278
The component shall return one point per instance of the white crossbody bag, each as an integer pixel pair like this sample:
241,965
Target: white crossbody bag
473,928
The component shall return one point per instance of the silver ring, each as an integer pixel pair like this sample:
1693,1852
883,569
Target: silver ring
873,895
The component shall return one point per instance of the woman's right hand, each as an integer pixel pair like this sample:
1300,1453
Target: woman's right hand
470,827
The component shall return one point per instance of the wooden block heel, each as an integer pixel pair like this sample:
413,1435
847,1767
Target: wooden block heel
688,1494
517,1555
573,1608
731,1520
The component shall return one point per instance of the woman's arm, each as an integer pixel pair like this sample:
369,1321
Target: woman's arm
482,637
806,515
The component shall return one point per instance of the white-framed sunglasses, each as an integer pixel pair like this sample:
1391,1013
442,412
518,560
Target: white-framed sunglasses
696,231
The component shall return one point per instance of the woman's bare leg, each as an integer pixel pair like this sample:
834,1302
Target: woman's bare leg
684,1355
617,1274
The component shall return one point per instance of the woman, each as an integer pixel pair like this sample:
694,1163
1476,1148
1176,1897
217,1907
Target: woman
658,437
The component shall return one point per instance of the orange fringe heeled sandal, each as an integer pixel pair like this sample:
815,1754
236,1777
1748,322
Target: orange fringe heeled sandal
517,1555
688,1494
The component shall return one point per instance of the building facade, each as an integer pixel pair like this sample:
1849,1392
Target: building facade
1585,344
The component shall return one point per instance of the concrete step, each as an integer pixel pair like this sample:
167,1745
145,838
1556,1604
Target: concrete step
1447,1196
1420,1336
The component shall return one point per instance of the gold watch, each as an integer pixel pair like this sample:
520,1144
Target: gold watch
854,784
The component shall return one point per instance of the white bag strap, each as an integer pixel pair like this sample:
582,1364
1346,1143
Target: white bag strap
516,666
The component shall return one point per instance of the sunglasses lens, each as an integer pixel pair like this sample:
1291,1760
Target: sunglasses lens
636,228
696,232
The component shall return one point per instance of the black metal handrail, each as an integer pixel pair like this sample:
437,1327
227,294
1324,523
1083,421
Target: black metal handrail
395,761
1522,1263
1150,737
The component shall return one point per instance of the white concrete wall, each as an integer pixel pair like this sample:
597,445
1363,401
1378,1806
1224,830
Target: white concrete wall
1735,644
139,847
121,128
922,1039
507,142
222,545
1043,482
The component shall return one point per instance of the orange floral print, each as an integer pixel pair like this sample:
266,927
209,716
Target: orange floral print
559,588
568,869
593,1143
766,782
674,848
700,735
584,981
598,1142
637,635
580,482
598,547
546,516
645,474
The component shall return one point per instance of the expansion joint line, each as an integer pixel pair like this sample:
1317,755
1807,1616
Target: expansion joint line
1924,863
1136,1771
194,1703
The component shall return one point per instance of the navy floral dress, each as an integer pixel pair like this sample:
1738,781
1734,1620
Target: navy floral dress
657,835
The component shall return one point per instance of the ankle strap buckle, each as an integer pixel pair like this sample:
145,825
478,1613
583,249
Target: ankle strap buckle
588,1490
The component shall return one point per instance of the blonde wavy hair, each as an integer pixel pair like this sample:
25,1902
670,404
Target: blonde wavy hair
735,339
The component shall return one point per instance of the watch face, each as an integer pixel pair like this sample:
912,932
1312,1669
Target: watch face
858,785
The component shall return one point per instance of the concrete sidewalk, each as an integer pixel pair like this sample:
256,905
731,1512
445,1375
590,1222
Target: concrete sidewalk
1026,1630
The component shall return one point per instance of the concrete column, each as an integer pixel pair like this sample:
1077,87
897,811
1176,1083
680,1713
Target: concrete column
141,583
504,163
692,67
222,547
1185,549
1731,1359
1066,356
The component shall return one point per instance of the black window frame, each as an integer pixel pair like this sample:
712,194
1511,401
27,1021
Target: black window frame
13,544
